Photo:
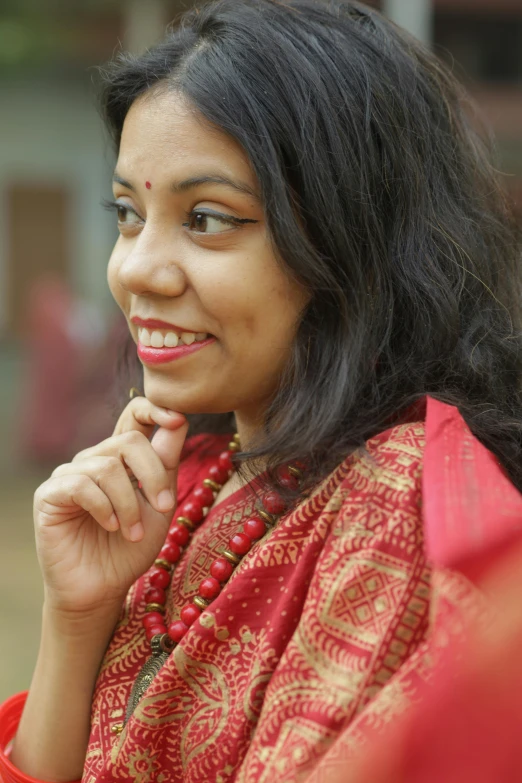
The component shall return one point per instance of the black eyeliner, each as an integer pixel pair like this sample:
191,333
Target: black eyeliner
220,216
114,206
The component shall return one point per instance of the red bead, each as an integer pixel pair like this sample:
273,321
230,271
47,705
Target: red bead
152,618
204,495
159,577
240,544
254,528
155,595
177,630
287,479
178,534
225,461
221,569
154,630
190,613
273,503
192,510
209,588
170,551
217,474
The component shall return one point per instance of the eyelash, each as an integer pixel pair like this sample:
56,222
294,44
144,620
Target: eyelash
114,206
229,220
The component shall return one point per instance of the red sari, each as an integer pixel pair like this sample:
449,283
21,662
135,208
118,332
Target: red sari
322,634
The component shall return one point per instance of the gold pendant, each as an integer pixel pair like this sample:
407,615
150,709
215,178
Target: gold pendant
147,673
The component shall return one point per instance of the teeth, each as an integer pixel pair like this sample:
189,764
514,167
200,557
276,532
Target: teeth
144,337
171,340
156,340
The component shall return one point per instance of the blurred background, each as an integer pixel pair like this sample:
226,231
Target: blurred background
59,331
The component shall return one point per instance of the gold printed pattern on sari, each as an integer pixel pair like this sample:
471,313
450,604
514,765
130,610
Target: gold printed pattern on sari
316,624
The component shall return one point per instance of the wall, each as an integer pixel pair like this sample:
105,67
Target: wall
51,133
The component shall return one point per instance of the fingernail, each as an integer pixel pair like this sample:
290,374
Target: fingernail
136,532
113,522
171,413
165,500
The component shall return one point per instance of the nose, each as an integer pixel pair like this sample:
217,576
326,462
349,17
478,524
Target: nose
151,267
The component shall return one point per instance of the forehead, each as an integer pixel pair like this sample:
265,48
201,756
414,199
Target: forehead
164,136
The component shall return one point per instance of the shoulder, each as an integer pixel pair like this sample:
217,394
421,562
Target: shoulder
399,445
399,448
377,500
391,460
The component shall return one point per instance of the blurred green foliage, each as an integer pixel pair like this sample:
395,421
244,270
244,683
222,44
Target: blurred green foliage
44,33
50,7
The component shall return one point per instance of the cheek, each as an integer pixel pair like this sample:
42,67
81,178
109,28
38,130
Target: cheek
279,299
112,277
264,310
255,285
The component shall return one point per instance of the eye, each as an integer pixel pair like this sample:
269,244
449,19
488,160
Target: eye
127,216
209,222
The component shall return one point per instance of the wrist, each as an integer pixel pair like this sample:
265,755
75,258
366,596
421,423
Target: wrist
91,625
10,715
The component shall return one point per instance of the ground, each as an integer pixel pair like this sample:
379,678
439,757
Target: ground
20,581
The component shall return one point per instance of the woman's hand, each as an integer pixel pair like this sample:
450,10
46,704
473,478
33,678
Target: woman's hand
96,532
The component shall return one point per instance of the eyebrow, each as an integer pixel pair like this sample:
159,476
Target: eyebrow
194,182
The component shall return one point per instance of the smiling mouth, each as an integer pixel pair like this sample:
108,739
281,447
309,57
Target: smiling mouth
165,338
156,354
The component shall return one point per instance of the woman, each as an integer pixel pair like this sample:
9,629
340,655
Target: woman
311,237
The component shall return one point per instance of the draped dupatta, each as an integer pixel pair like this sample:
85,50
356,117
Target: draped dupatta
321,635
465,725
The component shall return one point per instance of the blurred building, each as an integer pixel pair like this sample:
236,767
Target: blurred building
482,41
55,161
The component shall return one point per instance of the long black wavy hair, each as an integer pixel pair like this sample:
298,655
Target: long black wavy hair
380,196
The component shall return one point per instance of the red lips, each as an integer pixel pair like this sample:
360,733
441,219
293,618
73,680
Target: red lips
154,323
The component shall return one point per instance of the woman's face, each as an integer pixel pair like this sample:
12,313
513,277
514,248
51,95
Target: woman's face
194,253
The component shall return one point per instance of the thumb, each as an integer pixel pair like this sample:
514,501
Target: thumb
168,445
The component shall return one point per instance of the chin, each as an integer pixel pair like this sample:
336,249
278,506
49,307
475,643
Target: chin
178,397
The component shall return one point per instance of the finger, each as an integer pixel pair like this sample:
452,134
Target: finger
142,416
57,499
145,464
109,474
168,445
141,463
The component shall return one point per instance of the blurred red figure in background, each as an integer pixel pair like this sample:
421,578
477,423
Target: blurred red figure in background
71,355
49,420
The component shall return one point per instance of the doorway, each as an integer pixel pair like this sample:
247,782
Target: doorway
38,243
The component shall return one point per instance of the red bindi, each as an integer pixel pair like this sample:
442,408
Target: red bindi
148,185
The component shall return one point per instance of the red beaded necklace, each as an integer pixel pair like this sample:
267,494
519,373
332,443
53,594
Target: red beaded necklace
163,638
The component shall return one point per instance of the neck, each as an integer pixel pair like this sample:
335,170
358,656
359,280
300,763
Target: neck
248,426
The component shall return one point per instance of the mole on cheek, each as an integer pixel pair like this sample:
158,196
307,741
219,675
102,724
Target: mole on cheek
148,185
